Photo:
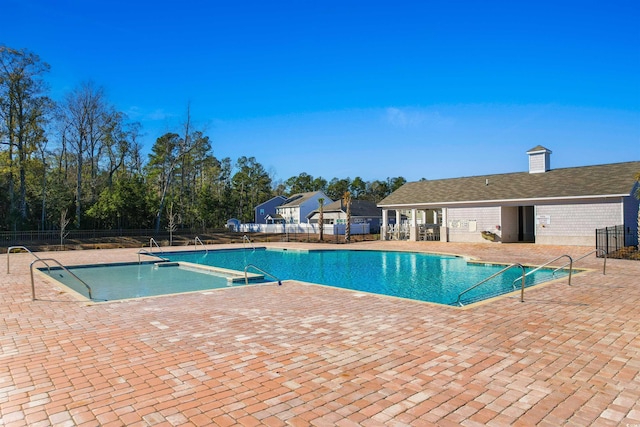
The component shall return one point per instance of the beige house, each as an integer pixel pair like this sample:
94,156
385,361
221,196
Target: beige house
544,205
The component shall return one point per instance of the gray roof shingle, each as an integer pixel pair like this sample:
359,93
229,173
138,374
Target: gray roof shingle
358,208
585,181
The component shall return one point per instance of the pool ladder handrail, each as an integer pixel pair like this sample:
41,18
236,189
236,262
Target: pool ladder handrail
491,277
245,238
152,241
604,265
19,247
196,241
246,277
570,264
33,286
143,251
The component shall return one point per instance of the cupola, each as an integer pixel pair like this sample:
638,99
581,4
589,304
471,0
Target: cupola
539,159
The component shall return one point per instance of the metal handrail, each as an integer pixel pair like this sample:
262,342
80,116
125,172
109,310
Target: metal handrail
246,277
245,238
19,247
146,252
604,266
33,286
197,240
491,277
570,264
152,241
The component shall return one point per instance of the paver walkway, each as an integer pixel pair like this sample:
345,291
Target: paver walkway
302,355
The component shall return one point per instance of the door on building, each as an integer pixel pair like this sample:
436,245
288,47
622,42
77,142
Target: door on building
526,221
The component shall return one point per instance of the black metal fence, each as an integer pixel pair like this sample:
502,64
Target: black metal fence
614,239
10,238
220,235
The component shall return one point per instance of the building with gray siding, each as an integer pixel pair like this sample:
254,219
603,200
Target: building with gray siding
543,205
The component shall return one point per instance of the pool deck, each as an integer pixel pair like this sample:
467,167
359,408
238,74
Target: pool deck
300,355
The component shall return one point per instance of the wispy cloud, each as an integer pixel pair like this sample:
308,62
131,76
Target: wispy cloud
136,113
412,118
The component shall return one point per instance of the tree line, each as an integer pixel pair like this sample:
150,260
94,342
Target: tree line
79,161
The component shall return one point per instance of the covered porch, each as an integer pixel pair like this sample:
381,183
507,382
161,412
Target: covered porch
414,224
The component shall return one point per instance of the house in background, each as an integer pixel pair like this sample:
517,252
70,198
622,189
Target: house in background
267,210
296,208
546,206
362,212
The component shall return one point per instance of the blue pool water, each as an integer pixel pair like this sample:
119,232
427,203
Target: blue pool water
123,281
418,276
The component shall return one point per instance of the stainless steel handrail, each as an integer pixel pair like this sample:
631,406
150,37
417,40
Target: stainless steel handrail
19,247
197,240
33,286
146,252
570,264
491,277
152,241
245,238
246,277
604,266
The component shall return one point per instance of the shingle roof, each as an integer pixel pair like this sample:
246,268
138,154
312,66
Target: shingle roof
599,180
298,199
538,148
358,208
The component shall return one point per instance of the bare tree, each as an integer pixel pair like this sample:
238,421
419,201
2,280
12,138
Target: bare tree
85,115
64,221
173,220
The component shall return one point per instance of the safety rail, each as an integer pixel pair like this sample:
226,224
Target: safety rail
491,277
18,247
152,241
245,238
196,241
33,285
246,277
604,266
146,252
570,264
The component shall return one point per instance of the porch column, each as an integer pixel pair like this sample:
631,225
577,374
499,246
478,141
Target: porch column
398,222
444,234
413,230
385,224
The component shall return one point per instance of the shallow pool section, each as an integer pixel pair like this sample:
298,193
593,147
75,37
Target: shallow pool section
419,276
124,281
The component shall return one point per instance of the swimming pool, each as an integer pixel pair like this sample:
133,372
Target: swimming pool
418,276
135,280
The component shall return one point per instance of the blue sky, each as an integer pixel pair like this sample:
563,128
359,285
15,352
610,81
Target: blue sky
357,88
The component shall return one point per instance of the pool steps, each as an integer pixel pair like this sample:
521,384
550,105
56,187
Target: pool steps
233,276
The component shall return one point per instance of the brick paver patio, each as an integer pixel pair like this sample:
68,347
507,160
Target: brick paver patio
302,355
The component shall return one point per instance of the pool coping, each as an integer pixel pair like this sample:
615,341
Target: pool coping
232,276
239,275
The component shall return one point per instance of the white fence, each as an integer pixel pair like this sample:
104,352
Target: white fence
303,228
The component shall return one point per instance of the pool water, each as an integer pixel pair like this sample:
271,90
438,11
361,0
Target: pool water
418,276
123,281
